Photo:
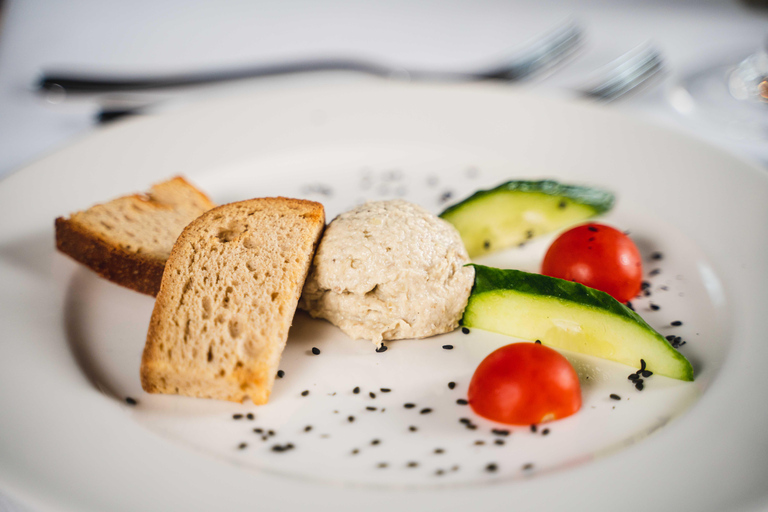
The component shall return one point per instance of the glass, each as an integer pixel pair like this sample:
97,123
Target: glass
734,96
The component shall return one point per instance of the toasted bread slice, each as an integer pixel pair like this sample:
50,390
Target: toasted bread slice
128,239
228,296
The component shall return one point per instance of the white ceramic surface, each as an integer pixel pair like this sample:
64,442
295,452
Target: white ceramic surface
72,342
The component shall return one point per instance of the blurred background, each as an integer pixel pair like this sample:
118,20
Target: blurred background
701,42
154,37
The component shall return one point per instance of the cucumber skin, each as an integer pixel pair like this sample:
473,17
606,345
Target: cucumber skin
600,200
488,279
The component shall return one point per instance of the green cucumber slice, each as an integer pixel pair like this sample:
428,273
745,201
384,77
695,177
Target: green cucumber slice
570,316
517,211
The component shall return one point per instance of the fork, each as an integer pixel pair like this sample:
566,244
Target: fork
626,75
538,55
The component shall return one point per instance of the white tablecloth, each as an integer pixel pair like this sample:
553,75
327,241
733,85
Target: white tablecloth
182,35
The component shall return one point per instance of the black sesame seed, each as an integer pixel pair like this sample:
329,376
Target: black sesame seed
258,430
630,306
642,364
382,465
280,374
451,385
409,406
316,351
671,337
654,307
369,408
633,376
350,419
356,390
639,385
454,468
491,468
446,196
465,330
264,438
355,451
461,401
545,432
439,451
250,416
654,272
425,411
130,401
500,432
375,442
385,390
538,342
440,472
614,396
499,442
372,394
471,426
448,347
562,204
529,234
382,348
656,256
676,323
307,428
528,466
465,421
305,392
487,244
412,464
533,428
412,428
242,446
237,416
645,285
593,229
647,373
278,448
270,432
480,443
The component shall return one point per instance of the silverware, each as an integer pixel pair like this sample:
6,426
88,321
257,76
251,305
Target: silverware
538,55
628,74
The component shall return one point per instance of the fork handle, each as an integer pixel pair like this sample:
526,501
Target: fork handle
74,83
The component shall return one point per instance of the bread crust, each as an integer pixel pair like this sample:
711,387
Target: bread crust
251,378
134,271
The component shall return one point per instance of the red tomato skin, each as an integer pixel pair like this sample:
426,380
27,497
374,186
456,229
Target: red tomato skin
524,384
597,256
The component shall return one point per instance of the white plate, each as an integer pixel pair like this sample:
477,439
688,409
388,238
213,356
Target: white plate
72,342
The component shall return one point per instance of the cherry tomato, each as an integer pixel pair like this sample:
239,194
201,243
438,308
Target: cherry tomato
523,384
597,256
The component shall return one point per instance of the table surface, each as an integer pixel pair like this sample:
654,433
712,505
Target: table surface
146,36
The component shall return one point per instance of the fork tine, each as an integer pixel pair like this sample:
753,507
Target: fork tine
626,74
539,54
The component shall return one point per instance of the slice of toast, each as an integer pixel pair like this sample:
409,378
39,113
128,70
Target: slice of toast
227,300
128,239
